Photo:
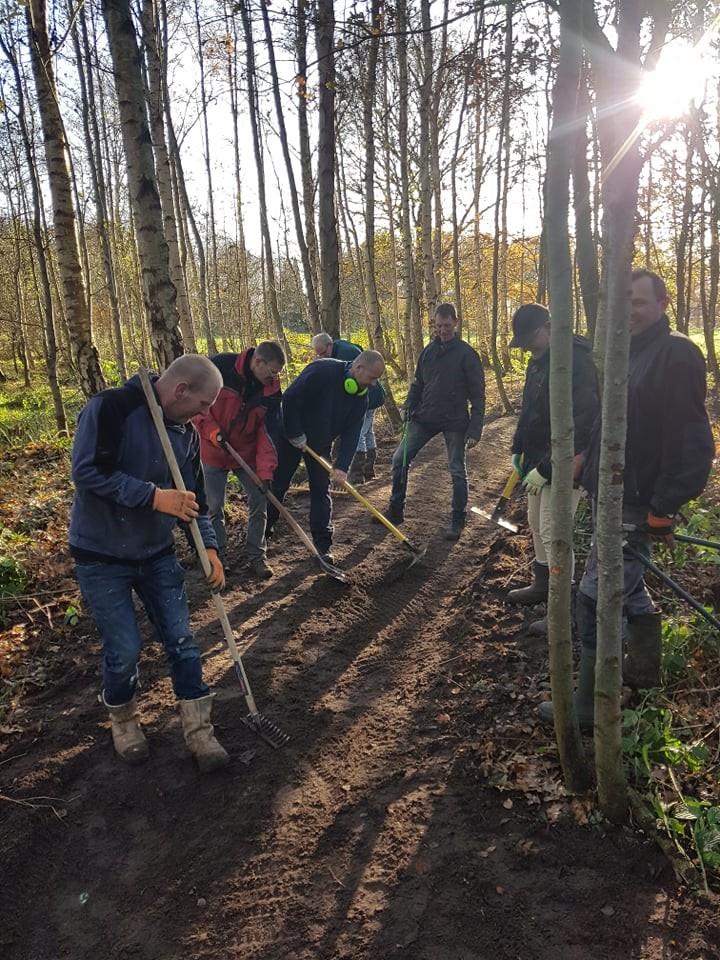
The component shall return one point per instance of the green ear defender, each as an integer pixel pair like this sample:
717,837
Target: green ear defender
353,387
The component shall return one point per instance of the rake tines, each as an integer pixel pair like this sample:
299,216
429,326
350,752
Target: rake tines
267,730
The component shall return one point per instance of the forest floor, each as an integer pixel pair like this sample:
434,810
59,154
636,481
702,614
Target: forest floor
417,811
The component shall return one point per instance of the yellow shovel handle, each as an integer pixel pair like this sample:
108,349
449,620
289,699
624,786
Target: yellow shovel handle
358,496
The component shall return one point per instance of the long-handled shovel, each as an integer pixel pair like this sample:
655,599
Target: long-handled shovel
417,552
329,569
496,515
259,724
696,605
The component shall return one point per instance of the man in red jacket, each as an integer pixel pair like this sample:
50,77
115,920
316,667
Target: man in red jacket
249,398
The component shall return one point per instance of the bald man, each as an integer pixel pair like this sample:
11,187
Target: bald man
327,400
124,513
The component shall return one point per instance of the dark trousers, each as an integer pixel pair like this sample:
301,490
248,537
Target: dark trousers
321,528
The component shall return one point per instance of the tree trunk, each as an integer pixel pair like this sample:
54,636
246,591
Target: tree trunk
561,400
158,289
585,248
155,47
304,255
67,243
374,322
327,220
308,188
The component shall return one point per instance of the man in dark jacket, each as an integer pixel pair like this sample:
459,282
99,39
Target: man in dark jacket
327,400
668,455
362,468
124,512
448,376
531,446
250,392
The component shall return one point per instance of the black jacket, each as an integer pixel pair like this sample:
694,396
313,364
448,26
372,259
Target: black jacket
448,376
669,448
532,434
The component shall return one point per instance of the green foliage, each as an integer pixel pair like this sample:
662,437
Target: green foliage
29,414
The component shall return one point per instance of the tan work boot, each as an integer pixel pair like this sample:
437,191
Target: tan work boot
128,739
199,736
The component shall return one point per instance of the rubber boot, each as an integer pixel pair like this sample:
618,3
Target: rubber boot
537,591
128,739
356,473
370,458
584,693
199,736
641,664
539,628
456,525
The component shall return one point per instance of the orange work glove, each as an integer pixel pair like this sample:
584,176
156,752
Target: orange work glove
216,577
218,437
579,463
178,503
661,528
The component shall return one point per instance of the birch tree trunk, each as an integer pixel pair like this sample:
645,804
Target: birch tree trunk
308,187
158,289
618,77
75,299
560,274
375,328
304,255
155,47
327,220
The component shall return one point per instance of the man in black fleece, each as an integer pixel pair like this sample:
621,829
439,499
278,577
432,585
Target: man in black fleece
448,377
668,454
531,445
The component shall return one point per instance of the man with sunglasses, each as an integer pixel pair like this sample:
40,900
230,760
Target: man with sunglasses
247,406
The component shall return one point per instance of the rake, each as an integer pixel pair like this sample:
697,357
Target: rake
255,721
329,569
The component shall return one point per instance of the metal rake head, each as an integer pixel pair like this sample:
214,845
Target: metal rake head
269,731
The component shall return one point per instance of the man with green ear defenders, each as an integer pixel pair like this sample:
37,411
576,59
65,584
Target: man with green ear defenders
327,400
362,467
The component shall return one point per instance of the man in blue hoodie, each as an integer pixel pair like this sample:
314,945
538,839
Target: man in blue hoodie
327,400
124,512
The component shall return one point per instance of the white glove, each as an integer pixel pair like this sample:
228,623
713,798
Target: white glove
298,441
534,481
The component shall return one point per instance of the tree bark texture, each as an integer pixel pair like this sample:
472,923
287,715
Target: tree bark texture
67,242
159,293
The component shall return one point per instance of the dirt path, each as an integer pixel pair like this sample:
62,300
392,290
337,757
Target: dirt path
415,813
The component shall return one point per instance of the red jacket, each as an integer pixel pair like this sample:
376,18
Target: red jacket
243,424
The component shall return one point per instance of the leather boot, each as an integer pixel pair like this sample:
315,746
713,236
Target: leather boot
356,473
537,591
584,693
199,736
641,664
370,458
456,525
128,739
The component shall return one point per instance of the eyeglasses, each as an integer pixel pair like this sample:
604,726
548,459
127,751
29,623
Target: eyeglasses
275,373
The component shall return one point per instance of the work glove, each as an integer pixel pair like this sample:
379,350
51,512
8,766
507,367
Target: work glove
216,577
517,463
534,482
578,464
218,437
298,442
406,414
177,503
471,442
661,528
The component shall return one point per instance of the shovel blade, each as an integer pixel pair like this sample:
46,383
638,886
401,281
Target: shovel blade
495,518
417,552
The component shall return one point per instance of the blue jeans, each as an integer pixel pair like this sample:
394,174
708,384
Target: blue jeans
215,486
418,434
367,439
107,589
321,526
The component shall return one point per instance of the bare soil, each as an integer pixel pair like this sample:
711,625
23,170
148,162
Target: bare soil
417,811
